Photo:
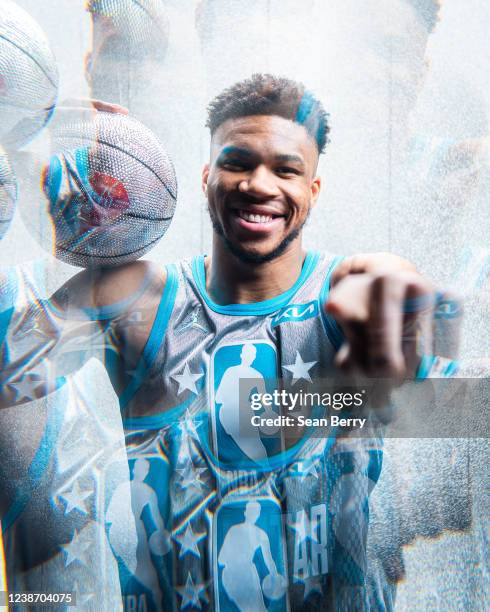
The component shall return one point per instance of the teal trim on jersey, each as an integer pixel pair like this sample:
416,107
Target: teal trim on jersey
159,420
451,369
425,366
39,462
331,326
257,308
427,363
156,336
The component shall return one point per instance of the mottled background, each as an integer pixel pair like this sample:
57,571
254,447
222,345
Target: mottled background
406,171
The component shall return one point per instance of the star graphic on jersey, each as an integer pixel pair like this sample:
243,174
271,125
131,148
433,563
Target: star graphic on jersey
300,369
190,477
191,593
187,380
25,388
304,472
75,499
312,585
302,526
76,549
189,542
188,425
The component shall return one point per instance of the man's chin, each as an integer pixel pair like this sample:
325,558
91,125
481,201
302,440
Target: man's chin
254,255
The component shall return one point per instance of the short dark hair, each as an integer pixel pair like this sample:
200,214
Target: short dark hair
266,94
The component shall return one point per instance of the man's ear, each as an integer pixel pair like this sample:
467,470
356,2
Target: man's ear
315,190
204,179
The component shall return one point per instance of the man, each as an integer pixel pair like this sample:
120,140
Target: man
266,137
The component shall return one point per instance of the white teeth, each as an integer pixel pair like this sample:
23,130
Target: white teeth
254,218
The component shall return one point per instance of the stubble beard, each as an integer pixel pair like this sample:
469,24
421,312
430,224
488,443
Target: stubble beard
255,258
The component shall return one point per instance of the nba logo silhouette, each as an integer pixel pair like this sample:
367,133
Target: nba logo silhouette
139,540
248,556
237,371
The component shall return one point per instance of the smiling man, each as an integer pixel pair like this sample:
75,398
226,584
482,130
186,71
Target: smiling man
171,338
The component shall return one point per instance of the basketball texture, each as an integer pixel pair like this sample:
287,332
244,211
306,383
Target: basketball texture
28,77
111,190
8,193
140,27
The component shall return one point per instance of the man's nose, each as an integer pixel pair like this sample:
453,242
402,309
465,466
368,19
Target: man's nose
260,182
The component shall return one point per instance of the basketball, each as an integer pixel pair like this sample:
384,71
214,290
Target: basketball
111,189
135,27
274,586
28,77
8,193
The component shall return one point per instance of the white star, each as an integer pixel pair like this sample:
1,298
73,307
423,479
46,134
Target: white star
187,380
304,472
75,550
190,476
190,593
300,369
302,527
25,388
75,499
312,585
188,425
189,541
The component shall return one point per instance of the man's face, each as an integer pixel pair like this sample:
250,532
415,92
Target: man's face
260,185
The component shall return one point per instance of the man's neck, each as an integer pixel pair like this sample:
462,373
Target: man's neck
231,281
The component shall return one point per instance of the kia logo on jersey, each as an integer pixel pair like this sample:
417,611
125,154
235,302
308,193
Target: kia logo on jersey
296,313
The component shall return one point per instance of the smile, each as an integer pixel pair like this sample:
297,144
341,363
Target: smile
256,218
258,223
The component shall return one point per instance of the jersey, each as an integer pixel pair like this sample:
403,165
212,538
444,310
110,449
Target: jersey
53,457
233,522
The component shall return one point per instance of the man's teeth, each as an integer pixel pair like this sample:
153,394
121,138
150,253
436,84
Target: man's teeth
253,218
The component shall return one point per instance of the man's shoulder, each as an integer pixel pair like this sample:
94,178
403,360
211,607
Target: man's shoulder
107,288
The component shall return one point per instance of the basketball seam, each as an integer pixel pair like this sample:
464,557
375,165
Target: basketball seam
25,52
114,146
136,216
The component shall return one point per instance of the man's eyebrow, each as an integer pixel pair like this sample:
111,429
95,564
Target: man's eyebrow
235,151
287,158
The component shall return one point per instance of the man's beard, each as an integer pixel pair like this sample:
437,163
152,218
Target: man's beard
254,258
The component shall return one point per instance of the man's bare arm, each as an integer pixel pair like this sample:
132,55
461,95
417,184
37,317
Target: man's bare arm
92,313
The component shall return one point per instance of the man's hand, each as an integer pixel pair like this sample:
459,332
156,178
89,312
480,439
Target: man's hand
385,318
386,311
371,263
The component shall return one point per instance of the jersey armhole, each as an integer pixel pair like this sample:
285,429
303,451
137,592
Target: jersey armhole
157,334
332,329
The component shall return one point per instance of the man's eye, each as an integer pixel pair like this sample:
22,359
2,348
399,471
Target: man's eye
234,166
287,170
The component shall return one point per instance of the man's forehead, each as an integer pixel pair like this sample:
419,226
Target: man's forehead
262,132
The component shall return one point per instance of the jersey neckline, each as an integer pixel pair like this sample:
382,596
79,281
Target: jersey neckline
256,308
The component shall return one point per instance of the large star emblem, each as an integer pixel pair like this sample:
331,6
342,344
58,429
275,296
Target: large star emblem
187,380
189,542
300,369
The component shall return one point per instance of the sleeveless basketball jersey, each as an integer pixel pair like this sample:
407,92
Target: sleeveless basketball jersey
54,454
223,522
